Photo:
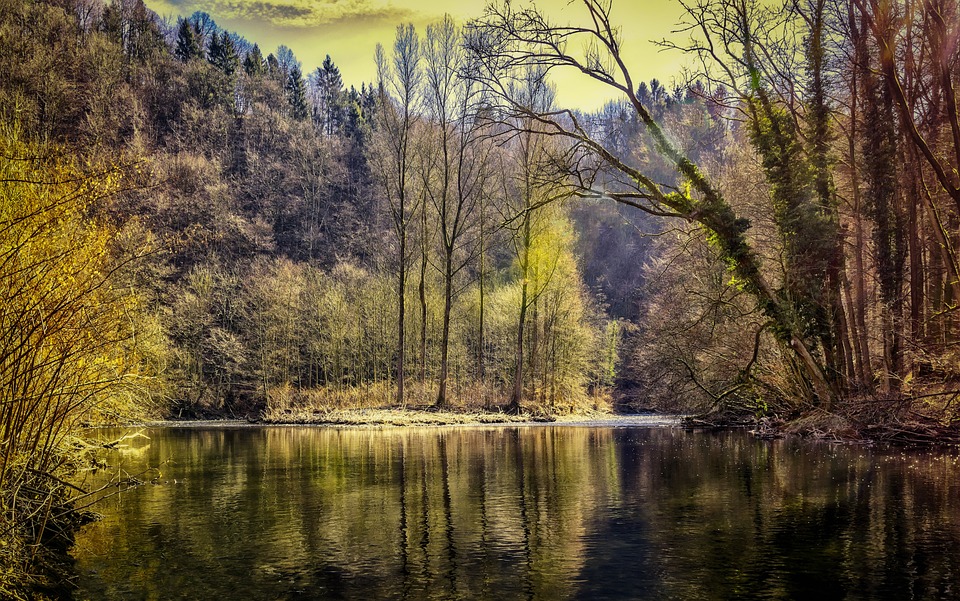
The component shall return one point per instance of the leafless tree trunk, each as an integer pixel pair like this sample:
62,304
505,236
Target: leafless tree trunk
399,86
455,190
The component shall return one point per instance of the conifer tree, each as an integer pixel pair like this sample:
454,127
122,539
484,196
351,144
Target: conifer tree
188,44
223,53
254,63
272,66
297,95
329,108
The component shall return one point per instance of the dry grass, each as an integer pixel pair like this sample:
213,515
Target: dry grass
373,396
393,417
376,404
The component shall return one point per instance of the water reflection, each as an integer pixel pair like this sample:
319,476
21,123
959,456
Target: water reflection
522,513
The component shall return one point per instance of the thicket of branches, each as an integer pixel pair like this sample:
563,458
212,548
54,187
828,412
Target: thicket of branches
78,345
814,255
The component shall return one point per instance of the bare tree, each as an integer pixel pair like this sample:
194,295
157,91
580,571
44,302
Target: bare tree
399,84
941,30
455,179
531,157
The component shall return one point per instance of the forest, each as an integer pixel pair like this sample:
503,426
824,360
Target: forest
192,226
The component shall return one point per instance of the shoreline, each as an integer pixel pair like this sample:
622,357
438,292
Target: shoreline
810,427
414,418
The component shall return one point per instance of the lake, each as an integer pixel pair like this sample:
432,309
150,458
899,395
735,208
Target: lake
530,512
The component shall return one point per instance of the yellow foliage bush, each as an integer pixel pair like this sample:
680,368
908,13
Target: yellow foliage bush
73,343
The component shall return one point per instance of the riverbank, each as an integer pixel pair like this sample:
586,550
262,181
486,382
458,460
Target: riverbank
420,417
887,422
903,428
816,425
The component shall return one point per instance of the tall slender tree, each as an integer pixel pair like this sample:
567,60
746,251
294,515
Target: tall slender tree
399,84
459,170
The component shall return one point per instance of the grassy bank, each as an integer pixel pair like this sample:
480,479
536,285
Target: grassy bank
427,417
376,404
422,416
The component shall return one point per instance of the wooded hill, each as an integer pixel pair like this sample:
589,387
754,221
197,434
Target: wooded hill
291,242
265,216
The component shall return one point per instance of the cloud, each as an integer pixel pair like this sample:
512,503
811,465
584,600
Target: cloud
298,13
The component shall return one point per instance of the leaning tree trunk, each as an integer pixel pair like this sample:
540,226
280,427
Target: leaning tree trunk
713,212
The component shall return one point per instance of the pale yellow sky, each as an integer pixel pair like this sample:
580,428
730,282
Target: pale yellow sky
348,30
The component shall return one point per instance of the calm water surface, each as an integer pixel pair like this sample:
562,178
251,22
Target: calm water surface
522,513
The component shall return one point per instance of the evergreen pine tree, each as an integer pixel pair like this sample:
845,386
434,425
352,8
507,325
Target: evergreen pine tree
214,50
330,84
331,75
188,45
223,53
273,66
254,64
297,95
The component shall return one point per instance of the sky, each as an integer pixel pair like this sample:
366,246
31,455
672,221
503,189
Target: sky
349,30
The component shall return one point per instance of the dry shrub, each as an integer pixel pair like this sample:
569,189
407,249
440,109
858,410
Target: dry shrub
73,346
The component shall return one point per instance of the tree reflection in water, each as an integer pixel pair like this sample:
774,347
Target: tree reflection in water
523,513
